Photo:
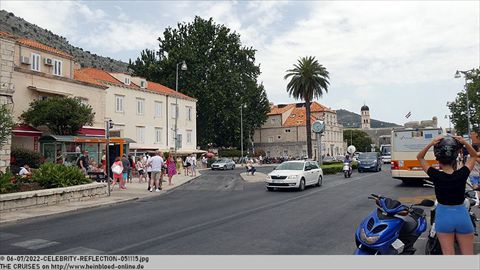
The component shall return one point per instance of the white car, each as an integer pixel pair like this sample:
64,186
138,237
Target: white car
295,174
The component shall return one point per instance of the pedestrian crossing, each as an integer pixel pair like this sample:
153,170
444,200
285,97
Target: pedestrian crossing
16,244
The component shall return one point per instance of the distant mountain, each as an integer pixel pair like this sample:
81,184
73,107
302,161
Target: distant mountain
352,120
19,27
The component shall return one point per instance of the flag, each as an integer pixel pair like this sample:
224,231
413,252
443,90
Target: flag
408,115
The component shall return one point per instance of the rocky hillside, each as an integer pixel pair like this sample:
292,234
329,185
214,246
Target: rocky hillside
349,119
19,27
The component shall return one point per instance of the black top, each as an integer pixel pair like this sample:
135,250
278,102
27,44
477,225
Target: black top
449,188
84,160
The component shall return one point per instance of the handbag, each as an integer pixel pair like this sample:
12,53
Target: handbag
117,169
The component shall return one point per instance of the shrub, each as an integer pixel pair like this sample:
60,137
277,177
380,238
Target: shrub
7,182
51,175
332,168
20,156
229,153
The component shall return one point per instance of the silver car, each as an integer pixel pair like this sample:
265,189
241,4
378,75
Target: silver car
223,164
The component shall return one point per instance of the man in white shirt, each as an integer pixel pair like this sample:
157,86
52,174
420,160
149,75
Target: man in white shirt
156,163
25,171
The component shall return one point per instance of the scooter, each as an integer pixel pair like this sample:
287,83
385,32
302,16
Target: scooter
432,247
392,228
347,170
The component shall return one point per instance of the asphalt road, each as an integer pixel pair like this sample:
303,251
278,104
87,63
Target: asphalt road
218,213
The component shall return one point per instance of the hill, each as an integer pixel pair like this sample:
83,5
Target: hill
352,120
19,27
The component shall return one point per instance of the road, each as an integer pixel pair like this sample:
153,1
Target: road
217,213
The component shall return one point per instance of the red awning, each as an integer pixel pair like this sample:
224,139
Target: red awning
91,132
25,130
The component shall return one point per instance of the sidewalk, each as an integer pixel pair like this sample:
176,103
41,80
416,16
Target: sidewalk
134,191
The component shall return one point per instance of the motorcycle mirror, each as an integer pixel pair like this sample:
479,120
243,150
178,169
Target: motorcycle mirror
428,203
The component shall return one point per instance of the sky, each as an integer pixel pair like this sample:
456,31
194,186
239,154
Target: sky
394,56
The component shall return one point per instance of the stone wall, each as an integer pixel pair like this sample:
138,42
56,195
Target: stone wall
29,199
7,52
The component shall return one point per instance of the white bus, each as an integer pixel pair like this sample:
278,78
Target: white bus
406,143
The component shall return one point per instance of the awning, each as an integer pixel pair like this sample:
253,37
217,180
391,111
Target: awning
84,139
88,131
25,130
140,146
48,91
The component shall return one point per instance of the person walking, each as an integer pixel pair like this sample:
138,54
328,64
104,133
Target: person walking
140,166
82,162
452,221
186,165
156,164
171,168
126,167
193,161
117,170
149,169
204,161
179,164
131,168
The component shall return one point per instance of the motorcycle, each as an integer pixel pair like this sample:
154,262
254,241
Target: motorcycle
432,247
347,170
392,228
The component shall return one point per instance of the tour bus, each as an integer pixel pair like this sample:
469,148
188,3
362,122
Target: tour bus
406,143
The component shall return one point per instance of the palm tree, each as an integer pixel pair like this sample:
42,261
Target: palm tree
309,80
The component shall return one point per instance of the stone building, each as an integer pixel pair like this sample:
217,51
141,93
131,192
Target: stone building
7,52
284,132
365,117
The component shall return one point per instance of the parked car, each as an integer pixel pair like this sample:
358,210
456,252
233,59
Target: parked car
369,161
223,164
295,174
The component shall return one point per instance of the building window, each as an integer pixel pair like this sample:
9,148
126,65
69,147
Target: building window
189,136
140,106
158,135
174,110
270,139
268,153
119,104
127,81
143,84
285,153
304,152
35,62
273,120
158,109
83,100
57,67
141,134
189,113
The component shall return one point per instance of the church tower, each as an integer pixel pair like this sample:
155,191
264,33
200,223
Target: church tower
365,113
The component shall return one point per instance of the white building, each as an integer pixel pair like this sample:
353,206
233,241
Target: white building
145,112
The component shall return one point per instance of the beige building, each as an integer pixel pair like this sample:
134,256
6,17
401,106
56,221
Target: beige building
7,53
284,133
145,112
40,72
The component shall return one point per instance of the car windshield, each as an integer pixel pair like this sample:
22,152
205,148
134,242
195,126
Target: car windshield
386,150
371,155
294,166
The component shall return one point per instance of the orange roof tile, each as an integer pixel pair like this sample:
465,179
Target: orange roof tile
80,75
276,110
297,118
165,90
36,45
99,75
317,107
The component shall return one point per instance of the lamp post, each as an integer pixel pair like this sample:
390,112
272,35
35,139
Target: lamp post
183,67
467,74
241,132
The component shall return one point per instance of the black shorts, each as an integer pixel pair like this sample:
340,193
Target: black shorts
141,172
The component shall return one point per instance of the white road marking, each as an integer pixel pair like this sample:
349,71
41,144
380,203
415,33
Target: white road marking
35,244
81,251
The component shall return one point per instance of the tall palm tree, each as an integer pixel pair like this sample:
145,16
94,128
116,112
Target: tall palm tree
309,80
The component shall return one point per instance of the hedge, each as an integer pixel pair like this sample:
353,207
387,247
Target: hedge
336,168
51,175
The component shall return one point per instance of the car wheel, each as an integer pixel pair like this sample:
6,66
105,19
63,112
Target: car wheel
301,187
233,167
360,171
380,168
270,188
319,181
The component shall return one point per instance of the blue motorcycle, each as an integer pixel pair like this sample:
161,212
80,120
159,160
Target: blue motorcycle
392,228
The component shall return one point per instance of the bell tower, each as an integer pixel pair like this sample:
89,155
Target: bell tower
365,113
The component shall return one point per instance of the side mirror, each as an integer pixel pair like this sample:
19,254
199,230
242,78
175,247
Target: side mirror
427,203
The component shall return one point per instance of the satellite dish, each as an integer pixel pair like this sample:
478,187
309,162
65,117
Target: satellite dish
351,149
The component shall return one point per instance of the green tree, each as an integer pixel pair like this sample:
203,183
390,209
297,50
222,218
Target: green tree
63,116
221,75
358,138
308,80
6,124
458,108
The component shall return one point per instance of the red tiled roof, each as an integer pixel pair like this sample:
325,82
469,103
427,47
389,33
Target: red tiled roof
317,107
101,76
297,118
36,45
276,110
80,75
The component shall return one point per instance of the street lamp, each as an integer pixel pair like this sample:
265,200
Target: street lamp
466,74
183,67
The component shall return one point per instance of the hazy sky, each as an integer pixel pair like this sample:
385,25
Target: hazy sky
396,56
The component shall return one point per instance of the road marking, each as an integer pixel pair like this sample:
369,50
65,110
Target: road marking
35,244
81,251
209,224
7,236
